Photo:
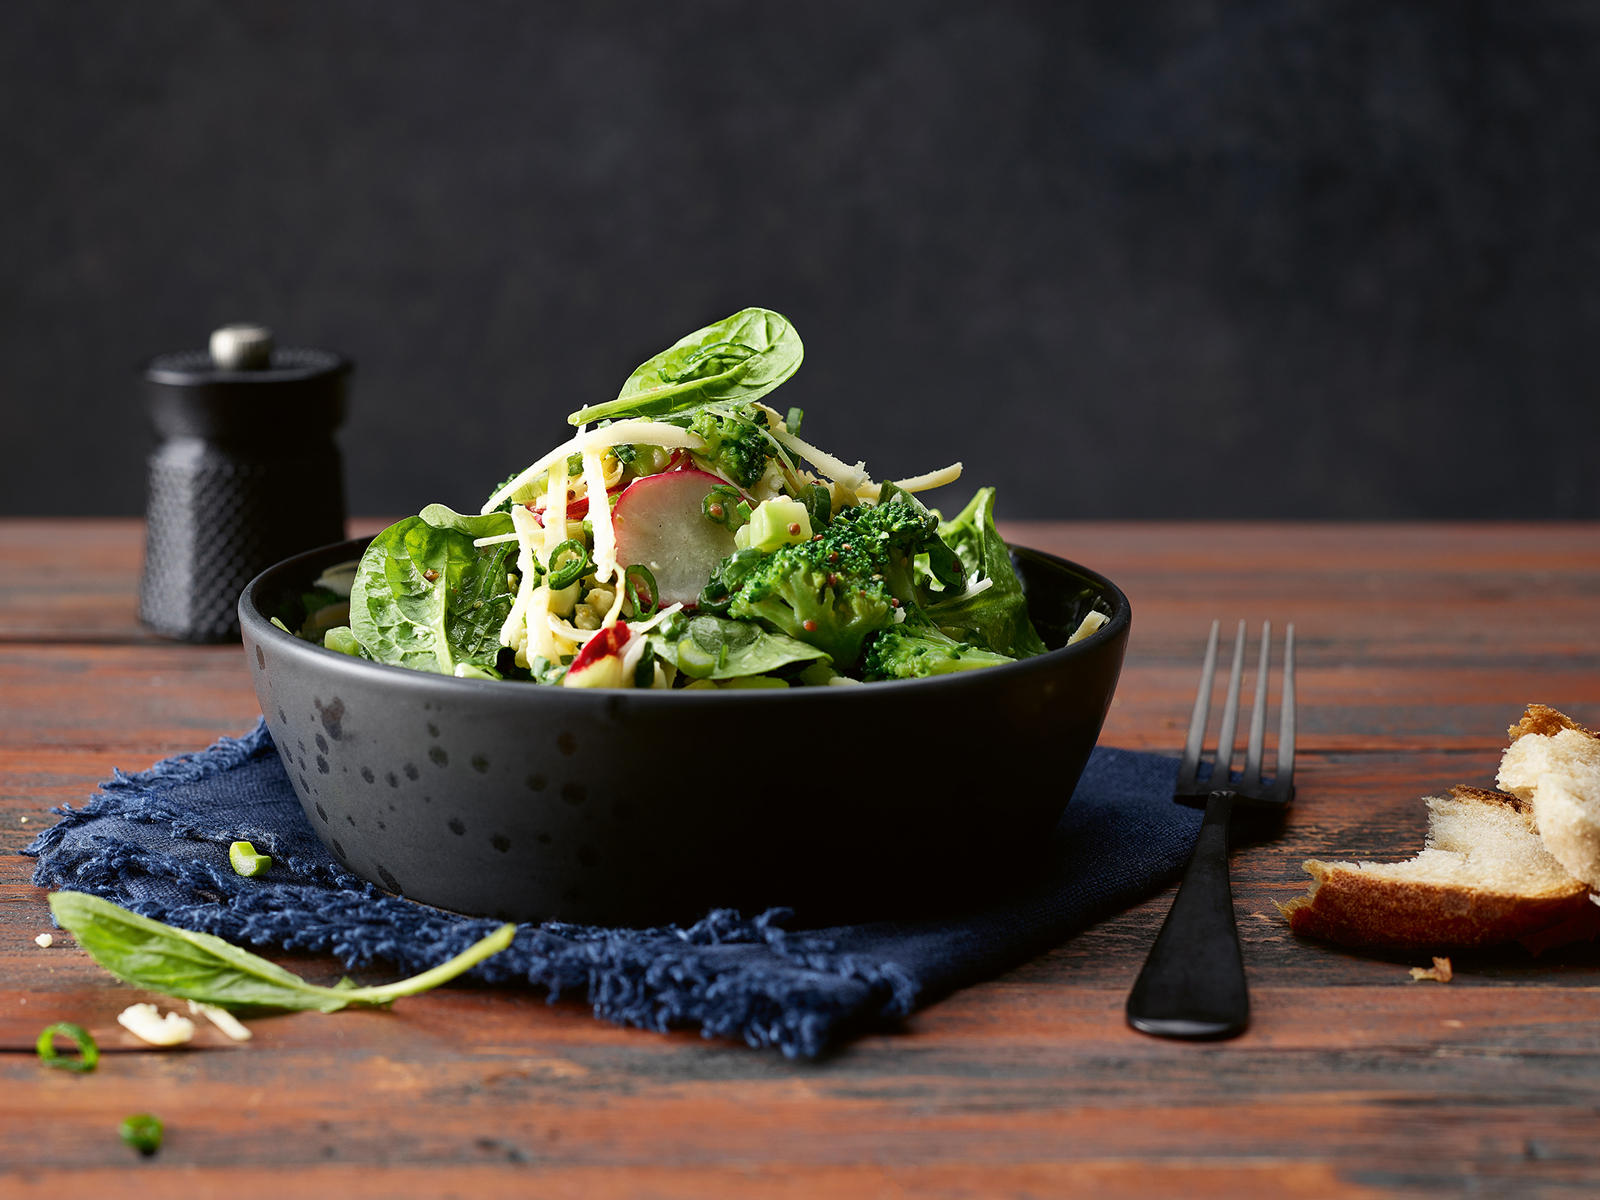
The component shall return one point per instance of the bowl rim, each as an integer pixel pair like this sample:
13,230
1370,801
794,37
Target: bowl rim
261,629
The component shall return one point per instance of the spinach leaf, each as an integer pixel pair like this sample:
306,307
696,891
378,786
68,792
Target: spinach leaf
489,525
198,966
996,617
475,613
740,359
425,597
719,648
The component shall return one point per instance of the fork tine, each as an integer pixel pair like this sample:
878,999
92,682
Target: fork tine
1221,772
1197,723
1258,715
1283,787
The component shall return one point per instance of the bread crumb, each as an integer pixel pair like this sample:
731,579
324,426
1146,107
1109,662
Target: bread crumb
44,941
1440,971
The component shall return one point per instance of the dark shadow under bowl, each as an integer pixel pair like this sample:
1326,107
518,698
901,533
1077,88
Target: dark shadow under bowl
641,807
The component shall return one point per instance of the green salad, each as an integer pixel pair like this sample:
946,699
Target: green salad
687,537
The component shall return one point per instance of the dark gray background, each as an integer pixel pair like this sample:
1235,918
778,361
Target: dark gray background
1325,259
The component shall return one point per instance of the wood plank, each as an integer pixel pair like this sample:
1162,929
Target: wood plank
1418,648
510,1172
76,579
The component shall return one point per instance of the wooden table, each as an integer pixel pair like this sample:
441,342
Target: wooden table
1419,644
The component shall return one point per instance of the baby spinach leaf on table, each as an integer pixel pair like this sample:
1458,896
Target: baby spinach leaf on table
996,617
197,966
740,358
719,648
425,597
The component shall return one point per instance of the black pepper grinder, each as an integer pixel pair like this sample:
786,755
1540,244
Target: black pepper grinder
247,474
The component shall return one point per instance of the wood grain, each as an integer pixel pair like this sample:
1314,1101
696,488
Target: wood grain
1419,645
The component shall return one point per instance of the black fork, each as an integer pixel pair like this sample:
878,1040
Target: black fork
1193,983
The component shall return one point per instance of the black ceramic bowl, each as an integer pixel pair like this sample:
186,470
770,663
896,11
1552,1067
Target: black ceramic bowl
639,807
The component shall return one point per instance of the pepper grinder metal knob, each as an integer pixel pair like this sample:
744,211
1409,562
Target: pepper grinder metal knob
247,474
241,348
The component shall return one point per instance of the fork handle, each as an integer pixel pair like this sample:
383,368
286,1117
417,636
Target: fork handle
1193,985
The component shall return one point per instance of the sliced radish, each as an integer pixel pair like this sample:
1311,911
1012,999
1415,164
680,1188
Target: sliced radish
660,524
599,663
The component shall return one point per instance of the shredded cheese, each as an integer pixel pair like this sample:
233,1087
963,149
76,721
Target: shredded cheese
540,640
647,433
1089,625
514,632
645,626
147,1025
977,588
564,629
631,657
222,1019
555,513
605,536
615,610
917,483
480,543
835,469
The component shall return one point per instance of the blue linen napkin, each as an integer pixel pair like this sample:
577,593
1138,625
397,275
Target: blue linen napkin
157,842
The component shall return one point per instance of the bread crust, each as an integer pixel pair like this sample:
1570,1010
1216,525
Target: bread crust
1357,908
1363,908
1349,906
1542,719
1474,795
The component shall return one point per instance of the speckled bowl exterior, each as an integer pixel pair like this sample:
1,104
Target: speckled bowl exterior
641,807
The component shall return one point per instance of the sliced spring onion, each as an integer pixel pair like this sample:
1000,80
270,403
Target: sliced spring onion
568,573
142,1131
244,860
651,592
88,1050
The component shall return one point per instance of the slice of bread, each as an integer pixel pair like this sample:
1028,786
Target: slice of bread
1554,764
1484,878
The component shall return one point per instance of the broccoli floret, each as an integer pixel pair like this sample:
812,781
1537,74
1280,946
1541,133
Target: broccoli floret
894,532
733,443
836,590
913,652
811,591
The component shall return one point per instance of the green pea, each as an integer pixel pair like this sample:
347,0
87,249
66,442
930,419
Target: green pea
245,861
